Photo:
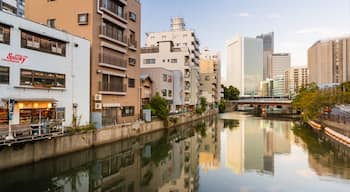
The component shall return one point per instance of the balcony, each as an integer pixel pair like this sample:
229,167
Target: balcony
112,61
109,89
132,44
113,35
111,8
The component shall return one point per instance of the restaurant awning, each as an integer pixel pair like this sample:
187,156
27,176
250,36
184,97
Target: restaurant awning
31,99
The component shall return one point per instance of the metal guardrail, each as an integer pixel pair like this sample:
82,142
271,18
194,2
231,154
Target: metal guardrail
30,134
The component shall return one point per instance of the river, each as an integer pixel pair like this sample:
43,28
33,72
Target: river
231,152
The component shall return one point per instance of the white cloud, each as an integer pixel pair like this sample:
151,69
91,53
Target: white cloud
322,32
244,14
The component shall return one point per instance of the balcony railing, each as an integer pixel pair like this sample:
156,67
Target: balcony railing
150,50
112,8
112,60
113,34
107,87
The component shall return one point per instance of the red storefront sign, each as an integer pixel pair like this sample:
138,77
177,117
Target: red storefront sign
15,58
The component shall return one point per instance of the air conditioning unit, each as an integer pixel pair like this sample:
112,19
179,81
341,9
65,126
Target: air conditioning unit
59,50
98,106
36,44
1,37
98,97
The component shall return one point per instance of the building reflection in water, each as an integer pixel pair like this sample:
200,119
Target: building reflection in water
253,144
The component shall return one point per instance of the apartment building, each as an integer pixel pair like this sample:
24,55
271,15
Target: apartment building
280,63
165,57
15,7
44,72
245,64
329,61
163,83
210,75
268,47
113,27
185,39
295,78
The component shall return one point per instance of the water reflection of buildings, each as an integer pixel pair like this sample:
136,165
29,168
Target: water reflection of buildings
157,162
209,152
252,145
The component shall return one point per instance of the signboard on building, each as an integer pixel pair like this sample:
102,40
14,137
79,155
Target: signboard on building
15,58
11,106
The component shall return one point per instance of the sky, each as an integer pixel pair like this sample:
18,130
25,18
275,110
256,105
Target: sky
297,23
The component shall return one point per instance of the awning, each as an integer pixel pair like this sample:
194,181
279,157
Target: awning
31,99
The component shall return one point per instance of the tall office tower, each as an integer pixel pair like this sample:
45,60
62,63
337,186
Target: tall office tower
181,38
113,28
295,78
210,75
245,64
278,89
280,63
13,6
268,44
329,61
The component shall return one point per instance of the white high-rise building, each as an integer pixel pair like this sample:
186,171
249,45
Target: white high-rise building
245,64
280,63
182,38
295,78
278,89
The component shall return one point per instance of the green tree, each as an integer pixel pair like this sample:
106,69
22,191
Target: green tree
231,93
222,107
159,107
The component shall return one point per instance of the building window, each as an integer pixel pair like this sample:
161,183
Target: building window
131,83
42,79
5,34
128,111
112,83
132,61
83,19
149,61
4,75
109,116
112,57
170,93
164,92
51,23
132,16
113,31
207,77
132,39
113,6
170,78
173,60
165,77
38,42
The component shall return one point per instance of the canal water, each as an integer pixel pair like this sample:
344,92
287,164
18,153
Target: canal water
233,152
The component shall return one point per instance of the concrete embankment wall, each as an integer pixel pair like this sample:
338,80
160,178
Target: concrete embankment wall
25,153
331,133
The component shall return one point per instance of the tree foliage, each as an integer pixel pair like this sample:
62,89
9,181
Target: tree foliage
311,100
203,105
231,93
159,107
222,107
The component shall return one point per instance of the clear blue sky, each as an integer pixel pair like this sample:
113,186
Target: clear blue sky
297,23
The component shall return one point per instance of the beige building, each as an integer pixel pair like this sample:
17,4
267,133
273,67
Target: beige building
146,89
295,78
210,76
113,27
266,87
280,63
329,61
